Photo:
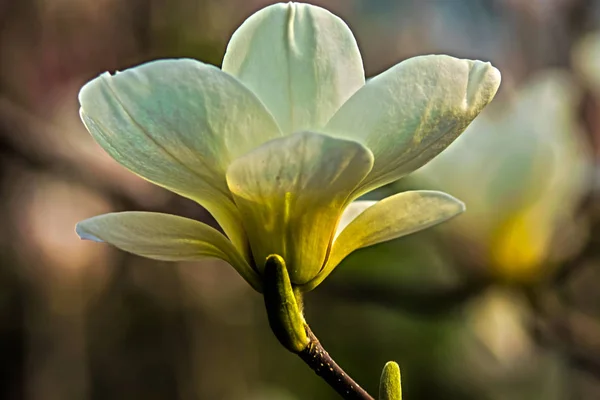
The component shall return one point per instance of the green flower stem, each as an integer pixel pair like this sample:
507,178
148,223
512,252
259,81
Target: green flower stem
315,356
284,310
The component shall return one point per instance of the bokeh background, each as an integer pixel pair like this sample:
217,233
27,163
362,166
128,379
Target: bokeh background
501,303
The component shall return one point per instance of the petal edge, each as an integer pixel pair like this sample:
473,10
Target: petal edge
165,237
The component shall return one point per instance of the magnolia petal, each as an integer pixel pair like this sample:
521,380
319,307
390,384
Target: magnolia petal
411,112
390,218
351,212
301,60
291,193
165,237
178,124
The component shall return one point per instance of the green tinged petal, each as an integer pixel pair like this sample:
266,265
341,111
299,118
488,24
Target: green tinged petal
301,60
414,110
291,193
165,237
178,124
390,218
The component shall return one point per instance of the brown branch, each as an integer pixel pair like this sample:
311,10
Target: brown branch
315,356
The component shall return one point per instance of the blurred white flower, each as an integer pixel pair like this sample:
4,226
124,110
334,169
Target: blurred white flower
521,171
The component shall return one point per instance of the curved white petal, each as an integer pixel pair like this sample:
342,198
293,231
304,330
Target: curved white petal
411,112
301,60
178,123
390,218
165,237
291,193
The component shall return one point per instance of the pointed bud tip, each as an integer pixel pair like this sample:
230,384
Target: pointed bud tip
274,260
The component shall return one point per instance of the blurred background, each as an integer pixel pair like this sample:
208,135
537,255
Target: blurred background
501,303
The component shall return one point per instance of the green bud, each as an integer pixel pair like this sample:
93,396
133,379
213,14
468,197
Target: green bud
285,318
390,387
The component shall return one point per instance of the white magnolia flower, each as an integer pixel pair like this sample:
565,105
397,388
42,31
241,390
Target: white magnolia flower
279,143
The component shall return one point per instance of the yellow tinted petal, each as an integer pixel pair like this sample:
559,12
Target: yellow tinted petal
350,213
291,193
390,218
